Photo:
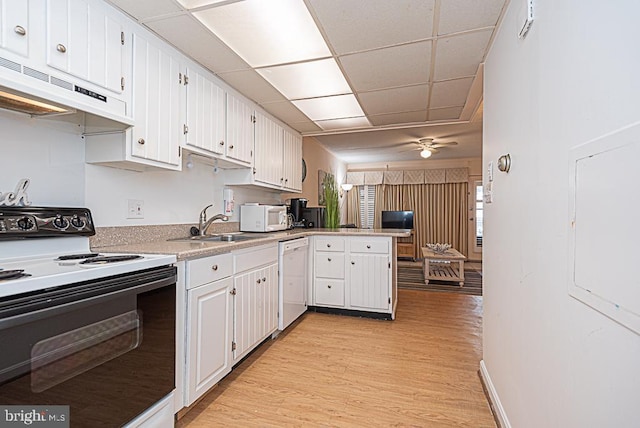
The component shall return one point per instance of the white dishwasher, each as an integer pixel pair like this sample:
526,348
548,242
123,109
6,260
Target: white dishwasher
292,281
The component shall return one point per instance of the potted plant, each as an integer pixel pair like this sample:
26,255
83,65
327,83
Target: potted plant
332,214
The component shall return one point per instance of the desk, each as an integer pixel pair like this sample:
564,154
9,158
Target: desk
442,266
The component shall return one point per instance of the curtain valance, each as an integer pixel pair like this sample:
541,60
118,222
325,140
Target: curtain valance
398,177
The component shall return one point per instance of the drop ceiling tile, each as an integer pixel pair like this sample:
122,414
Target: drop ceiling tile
450,92
390,67
191,4
350,122
447,113
462,15
192,38
305,127
396,100
252,85
352,26
308,79
460,56
145,9
266,33
395,118
286,112
325,108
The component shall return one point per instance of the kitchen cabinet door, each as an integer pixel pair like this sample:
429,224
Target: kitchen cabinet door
158,103
15,29
269,151
369,279
86,41
206,119
255,308
240,130
292,161
209,336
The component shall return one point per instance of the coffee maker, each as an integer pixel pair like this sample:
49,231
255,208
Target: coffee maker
296,209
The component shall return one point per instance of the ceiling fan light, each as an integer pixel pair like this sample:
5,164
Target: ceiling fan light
425,153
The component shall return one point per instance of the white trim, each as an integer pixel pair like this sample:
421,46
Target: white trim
500,414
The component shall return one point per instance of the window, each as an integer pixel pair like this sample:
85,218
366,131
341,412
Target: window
479,215
367,206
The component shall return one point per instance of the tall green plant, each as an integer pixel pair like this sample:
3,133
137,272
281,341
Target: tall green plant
332,214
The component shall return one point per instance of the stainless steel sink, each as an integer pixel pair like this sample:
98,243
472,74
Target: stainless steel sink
224,237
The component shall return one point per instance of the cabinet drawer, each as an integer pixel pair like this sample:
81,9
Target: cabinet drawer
329,265
369,246
329,292
329,244
208,269
252,258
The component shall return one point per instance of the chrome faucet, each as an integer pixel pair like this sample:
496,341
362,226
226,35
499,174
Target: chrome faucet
204,223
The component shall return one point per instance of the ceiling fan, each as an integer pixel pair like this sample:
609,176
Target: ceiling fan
428,146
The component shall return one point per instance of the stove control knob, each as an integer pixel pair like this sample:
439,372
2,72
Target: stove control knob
77,222
61,222
25,223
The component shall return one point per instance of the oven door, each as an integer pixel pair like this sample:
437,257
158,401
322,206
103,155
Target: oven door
105,348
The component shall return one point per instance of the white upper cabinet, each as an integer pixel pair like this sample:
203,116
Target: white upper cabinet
268,147
85,40
240,130
158,103
15,28
292,161
206,118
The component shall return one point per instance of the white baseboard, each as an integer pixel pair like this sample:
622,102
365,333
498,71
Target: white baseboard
500,414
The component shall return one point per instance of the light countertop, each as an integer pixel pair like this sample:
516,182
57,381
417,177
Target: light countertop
187,250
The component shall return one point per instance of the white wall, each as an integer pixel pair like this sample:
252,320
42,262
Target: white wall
51,155
554,362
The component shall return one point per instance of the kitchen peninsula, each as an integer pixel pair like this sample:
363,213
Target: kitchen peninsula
227,292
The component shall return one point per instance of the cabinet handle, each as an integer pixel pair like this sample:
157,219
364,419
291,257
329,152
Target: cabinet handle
328,286
221,143
214,267
20,30
264,279
61,48
368,247
231,147
328,245
353,263
141,141
258,281
328,259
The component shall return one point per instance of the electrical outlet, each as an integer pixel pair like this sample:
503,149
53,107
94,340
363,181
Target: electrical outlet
135,208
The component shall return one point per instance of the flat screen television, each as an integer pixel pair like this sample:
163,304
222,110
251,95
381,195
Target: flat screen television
397,219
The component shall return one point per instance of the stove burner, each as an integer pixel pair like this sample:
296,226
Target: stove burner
100,260
77,256
6,275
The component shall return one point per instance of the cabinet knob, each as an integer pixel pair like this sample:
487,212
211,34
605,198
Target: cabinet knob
259,281
214,267
328,258
231,147
353,263
328,286
368,247
141,141
264,279
221,143
20,30
328,245
61,48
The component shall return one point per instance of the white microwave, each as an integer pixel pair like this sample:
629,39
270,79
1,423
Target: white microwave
262,218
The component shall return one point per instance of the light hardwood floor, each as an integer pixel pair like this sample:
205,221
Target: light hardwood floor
328,370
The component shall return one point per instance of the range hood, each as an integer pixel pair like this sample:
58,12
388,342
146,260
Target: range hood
44,96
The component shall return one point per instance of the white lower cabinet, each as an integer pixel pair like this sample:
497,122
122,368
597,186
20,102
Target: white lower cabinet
209,324
353,273
255,290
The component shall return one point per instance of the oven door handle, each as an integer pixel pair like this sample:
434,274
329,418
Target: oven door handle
52,303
